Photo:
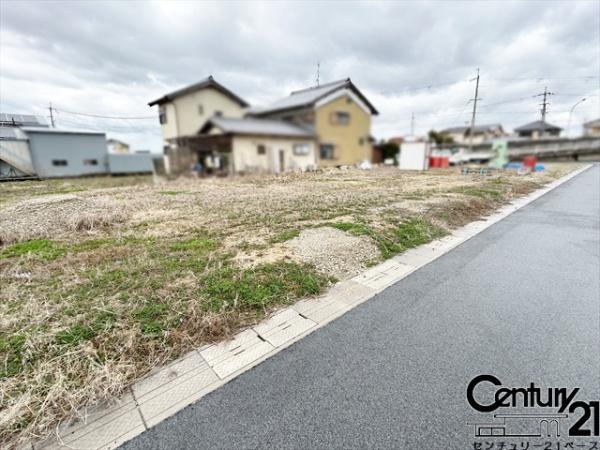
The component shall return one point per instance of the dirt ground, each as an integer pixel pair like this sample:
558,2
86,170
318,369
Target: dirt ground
100,283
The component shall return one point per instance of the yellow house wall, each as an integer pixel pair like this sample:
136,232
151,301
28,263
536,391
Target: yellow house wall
247,159
345,138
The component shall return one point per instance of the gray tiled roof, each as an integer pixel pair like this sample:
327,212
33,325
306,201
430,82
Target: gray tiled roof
256,126
308,97
209,82
537,125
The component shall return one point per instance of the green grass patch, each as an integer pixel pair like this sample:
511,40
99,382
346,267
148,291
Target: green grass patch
285,236
75,334
396,238
259,287
197,245
91,244
153,319
12,347
39,248
417,231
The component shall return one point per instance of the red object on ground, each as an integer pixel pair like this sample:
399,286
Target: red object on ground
438,162
529,161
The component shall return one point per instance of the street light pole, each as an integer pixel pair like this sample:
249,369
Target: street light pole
571,113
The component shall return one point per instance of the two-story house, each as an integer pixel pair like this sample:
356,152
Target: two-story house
339,114
209,127
185,111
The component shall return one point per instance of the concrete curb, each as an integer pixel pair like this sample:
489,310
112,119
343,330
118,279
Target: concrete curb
169,389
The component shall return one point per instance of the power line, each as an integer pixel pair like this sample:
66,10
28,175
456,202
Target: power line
105,117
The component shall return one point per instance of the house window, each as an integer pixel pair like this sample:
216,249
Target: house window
201,110
162,115
218,113
90,162
261,150
301,149
340,118
59,162
326,151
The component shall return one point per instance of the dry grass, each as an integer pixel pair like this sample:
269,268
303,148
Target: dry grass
101,284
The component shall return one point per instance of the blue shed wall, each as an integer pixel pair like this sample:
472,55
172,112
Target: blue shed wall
75,148
130,163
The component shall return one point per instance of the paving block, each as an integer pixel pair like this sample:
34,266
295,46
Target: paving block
351,292
283,327
173,387
451,241
102,428
228,357
412,258
322,309
431,250
384,275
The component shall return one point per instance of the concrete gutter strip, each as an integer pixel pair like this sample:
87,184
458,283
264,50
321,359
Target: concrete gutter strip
171,388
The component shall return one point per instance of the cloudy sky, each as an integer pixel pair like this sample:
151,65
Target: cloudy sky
110,58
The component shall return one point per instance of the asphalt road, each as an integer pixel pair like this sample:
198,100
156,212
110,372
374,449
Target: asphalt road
520,301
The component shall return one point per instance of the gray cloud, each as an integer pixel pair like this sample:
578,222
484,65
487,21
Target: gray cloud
113,57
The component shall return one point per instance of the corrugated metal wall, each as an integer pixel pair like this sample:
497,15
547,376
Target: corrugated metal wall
68,154
130,163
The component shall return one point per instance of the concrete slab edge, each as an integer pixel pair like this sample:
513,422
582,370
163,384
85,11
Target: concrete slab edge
290,325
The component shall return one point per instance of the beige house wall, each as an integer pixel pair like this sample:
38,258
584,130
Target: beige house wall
247,159
184,117
593,131
351,141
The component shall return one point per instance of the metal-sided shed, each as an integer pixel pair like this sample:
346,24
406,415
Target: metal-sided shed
120,164
66,153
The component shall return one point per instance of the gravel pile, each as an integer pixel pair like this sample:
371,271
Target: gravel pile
55,216
333,251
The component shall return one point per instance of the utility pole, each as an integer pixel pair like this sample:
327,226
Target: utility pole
51,114
474,111
412,124
544,103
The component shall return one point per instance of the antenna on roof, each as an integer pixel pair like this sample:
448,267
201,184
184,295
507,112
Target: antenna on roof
318,71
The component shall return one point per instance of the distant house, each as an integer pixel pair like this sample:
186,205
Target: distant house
481,133
538,130
325,125
339,114
116,146
592,128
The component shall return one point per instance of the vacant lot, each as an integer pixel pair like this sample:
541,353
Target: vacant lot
101,283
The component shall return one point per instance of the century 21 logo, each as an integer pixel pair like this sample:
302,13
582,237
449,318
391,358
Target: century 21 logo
533,396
